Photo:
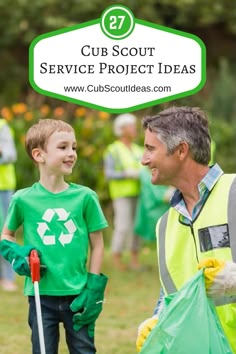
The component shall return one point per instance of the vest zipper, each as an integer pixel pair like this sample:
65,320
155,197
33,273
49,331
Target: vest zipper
194,240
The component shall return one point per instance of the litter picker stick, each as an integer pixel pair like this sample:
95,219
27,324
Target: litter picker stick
35,276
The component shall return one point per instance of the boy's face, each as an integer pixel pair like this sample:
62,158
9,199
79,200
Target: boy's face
60,154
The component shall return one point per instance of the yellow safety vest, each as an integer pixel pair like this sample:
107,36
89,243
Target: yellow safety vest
7,172
213,234
124,159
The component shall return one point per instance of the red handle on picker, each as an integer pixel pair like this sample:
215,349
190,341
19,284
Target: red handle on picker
34,266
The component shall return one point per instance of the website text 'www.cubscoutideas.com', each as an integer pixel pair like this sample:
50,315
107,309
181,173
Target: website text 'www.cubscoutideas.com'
117,88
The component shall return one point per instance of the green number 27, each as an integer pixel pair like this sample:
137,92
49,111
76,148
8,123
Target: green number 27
116,22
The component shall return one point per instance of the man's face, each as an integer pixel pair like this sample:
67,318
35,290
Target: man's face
164,167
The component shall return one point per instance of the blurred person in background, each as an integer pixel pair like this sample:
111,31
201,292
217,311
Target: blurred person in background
122,165
8,156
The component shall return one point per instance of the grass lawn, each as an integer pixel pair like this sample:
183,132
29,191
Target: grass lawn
130,298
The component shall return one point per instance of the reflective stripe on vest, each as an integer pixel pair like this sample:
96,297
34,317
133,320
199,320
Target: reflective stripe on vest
164,272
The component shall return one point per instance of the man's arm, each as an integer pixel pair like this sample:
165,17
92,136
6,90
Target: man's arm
159,304
111,173
109,169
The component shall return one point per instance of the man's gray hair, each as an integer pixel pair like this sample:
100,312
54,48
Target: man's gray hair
177,124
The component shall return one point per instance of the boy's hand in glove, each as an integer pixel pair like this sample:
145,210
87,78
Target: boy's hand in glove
88,305
18,256
144,330
220,277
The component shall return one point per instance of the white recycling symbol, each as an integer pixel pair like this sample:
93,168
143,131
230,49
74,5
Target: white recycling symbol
62,216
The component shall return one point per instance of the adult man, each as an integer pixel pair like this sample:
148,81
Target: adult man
122,168
201,221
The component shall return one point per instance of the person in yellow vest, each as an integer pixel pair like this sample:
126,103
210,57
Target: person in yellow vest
199,229
122,164
8,156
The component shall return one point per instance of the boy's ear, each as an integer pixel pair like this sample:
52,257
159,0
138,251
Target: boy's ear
37,155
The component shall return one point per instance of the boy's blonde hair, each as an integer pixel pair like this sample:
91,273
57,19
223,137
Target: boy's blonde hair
38,135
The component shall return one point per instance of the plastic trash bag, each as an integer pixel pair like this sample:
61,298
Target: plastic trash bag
188,324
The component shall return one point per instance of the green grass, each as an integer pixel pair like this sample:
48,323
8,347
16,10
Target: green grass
130,298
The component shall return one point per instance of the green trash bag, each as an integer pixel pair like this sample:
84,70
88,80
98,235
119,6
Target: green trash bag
188,324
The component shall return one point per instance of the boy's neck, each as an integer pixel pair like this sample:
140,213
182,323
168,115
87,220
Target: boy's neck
53,184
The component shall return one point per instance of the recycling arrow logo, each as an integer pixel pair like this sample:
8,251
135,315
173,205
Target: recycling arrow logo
63,219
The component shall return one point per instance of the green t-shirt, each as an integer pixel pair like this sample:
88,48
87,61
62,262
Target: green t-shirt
57,225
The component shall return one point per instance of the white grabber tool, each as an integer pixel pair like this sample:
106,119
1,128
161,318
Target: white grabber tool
35,276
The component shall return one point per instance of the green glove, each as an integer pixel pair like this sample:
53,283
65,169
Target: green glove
17,255
88,305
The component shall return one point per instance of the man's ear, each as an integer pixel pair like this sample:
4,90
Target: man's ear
37,155
183,150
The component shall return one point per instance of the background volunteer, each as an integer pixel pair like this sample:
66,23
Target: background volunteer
122,165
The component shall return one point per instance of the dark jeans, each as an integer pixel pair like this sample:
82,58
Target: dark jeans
56,309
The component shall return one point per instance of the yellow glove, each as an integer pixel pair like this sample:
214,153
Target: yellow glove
220,277
144,331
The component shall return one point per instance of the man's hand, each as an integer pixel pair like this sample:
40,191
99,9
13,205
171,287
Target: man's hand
144,330
220,277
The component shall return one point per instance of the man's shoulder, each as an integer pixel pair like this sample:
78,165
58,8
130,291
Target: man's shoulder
228,177
112,149
113,146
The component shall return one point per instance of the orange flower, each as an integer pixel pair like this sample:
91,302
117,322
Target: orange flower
44,110
80,112
19,108
28,116
58,112
103,115
6,113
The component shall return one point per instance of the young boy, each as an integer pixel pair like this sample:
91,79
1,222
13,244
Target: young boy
60,220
